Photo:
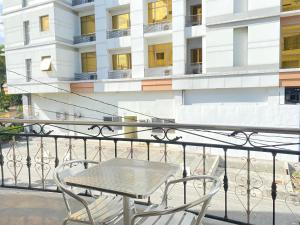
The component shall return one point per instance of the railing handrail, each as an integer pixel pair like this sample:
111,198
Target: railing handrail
295,131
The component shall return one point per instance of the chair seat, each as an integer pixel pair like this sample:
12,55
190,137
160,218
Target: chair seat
103,209
179,218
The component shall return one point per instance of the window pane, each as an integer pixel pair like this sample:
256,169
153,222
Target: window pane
89,62
196,55
87,24
122,61
121,21
159,11
290,45
160,55
44,21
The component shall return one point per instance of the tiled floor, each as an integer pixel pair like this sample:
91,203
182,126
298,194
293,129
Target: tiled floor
34,208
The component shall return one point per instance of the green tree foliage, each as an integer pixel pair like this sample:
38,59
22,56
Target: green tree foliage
6,100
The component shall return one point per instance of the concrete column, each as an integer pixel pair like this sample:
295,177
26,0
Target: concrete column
137,10
179,41
101,42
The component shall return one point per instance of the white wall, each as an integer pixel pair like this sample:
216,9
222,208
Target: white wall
219,7
219,48
264,43
240,46
258,4
13,26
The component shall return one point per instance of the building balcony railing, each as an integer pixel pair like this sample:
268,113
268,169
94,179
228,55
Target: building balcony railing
156,27
256,190
118,33
159,71
84,38
194,68
194,20
80,2
86,76
119,74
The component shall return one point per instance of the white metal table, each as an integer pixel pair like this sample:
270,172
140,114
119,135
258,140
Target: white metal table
127,177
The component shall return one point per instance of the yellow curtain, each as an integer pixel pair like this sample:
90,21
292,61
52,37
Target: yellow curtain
87,24
44,23
160,55
121,22
196,55
289,5
159,11
89,62
290,46
121,61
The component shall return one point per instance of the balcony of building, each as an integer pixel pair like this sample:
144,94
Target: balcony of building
194,14
290,5
159,16
194,56
260,181
121,65
290,53
88,64
83,5
119,22
87,31
160,60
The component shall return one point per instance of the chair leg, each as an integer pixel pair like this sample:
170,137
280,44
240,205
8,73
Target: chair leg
66,221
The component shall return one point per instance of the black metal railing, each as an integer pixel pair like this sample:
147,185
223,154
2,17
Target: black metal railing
156,27
84,38
80,2
117,33
253,192
85,76
119,74
193,20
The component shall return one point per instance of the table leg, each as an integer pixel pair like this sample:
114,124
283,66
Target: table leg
126,210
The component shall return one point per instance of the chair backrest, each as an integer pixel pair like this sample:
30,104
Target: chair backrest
67,169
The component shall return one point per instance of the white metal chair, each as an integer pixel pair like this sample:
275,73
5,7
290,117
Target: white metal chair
162,215
101,211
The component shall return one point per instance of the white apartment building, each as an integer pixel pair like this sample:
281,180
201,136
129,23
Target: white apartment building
230,62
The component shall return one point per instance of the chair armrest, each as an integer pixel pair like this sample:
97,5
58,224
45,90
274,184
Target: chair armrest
184,180
184,207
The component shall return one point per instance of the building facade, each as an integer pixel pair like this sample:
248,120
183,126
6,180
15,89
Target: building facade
230,62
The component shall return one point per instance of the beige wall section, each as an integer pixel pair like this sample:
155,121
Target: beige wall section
86,87
290,79
157,85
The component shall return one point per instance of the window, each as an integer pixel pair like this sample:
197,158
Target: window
121,61
196,56
26,32
44,23
120,22
290,45
240,46
28,64
46,63
87,24
159,11
89,62
160,55
24,3
196,13
292,95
